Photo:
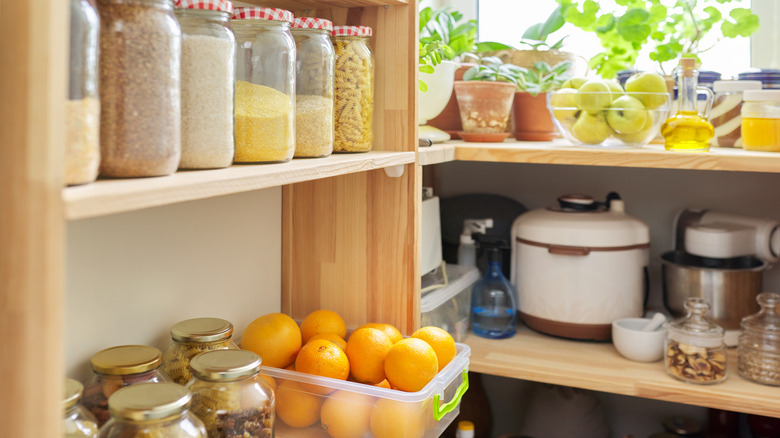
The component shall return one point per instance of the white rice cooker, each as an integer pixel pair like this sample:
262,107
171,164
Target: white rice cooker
579,266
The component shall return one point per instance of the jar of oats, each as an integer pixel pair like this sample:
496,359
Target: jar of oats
191,337
353,89
140,120
230,396
76,421
313,87
265,85
695,351
758,350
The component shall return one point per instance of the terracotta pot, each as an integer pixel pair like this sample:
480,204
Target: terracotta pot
531,118
527,58
484,106
449,119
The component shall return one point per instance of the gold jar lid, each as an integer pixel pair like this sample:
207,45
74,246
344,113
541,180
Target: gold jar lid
126,359
225,365
73,390
149,401
202,330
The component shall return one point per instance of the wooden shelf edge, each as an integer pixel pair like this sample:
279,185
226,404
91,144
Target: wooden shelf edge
106,197
436,154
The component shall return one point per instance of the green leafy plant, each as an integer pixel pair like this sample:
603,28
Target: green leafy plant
493,69
442,36
535,37
542,78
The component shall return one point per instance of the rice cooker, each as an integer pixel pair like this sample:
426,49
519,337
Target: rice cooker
579,266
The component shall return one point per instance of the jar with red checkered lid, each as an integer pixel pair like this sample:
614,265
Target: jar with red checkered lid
265,85
353,89
314,87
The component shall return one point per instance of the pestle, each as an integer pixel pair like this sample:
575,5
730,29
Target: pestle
656,321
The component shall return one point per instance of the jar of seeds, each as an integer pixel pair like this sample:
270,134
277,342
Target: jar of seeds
115,368
265,85
191,337
758,350
230,396
152,410
77,421
695,351
208,53
353,89
140,120
313,87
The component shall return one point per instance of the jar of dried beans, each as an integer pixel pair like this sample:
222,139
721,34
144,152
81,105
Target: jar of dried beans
117,367
191,337
265,85
76,422
695,351
230,396
82,109
353,89
313,87
758,350
140,120
208,53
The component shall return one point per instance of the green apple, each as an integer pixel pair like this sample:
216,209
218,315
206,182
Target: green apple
627,115
615,88
564,106
647,82
574,82
590,128
640,136
593,96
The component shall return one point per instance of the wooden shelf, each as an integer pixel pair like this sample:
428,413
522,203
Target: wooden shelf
435,154
115,196
598,366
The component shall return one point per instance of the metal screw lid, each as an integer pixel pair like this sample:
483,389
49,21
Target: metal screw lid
149,401
73,390
225,365
126,359
202,330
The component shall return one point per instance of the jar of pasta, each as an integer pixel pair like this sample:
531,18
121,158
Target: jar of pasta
230,396
353,89
761,120
77,422
313,87
117,367
152,410
265,85
191,337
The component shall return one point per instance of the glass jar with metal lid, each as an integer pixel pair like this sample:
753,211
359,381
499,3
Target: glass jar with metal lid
265,85
726,111
695,351
191,337
353,90
117,367
313,87
758,350
152,410
77,422
761,120
230,396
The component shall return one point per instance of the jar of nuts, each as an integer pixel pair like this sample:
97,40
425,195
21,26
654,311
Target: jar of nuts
758,351
191,337
695,351
76,421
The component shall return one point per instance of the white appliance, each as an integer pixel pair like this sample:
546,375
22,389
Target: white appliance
430,233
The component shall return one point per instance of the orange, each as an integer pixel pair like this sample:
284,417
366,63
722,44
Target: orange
441,341
410,364
322,358
332,337
384,384
395,419
275,337
388,329
346,414
322,321
366,351
270,381
295,406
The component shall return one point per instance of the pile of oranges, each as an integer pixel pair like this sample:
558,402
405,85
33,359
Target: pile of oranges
373,354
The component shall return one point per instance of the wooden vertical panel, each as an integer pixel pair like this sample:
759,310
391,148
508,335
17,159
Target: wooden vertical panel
32,86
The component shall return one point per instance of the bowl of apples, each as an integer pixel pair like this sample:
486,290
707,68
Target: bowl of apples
601,113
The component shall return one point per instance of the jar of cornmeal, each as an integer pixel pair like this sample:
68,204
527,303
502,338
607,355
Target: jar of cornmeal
265,85
353,90
761,120
726,109
191,337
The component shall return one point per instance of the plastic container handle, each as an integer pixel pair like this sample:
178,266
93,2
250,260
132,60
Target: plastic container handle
440,411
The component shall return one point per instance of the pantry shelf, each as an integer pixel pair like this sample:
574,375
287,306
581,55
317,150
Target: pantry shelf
323,4
116,196
598,366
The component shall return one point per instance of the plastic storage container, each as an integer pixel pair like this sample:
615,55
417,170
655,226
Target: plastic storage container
265,85
191,337
373,411
695,351
726,111
313,87
448,307
354,89
208,65
758,351
76,421
140,99
761,120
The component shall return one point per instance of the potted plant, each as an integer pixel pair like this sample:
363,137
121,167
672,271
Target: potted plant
532,120
434,89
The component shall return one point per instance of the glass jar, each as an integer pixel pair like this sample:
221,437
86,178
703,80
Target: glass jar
758,351
76,422
726,107
230,396
152,410
140,118
769,78
191,337
82,109
116,367
313,87
265,85
353,90
208,53
761,120
695,351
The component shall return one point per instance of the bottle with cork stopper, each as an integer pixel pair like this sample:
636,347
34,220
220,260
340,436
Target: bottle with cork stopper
688,130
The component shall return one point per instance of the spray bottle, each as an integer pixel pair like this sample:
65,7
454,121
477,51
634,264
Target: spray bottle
467,251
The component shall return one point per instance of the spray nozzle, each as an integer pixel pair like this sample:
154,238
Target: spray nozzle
474,226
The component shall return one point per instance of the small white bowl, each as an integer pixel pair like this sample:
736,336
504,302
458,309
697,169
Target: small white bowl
631,342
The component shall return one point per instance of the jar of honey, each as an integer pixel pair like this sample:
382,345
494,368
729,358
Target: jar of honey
761,120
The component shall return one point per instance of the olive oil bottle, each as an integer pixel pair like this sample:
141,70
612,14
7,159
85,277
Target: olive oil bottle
687,130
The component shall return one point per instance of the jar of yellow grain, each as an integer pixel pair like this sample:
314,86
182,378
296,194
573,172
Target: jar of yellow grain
265,85
353,89
761,120
191,337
